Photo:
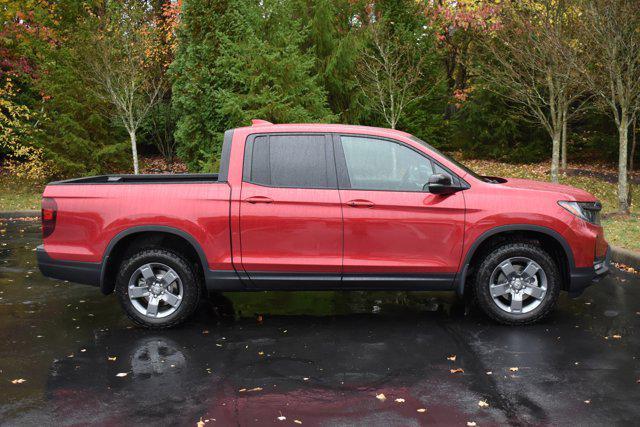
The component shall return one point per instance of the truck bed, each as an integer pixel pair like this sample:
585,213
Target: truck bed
92,211
141,179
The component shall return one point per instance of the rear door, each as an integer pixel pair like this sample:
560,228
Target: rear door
290,211
394,230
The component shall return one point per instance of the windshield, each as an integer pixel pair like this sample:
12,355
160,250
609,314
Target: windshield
455,162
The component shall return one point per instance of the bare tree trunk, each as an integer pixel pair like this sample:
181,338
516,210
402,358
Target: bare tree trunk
134,151
633,155
623,187
555,156
633,145
563,159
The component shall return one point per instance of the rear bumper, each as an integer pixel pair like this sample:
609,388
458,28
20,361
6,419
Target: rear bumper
87,273
581,278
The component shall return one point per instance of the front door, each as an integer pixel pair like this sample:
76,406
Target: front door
290,212
394,230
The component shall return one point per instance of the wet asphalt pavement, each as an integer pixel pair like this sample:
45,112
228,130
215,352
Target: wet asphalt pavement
313,358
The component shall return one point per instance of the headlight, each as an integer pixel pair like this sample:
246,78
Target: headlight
589,211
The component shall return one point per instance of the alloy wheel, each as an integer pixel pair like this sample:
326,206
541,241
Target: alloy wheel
155,290
518,285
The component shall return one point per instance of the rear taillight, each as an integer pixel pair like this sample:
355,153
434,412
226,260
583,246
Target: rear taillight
49,214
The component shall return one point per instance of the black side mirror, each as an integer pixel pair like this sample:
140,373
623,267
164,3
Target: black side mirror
440,183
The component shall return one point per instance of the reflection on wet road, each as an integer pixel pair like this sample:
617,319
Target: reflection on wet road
316,358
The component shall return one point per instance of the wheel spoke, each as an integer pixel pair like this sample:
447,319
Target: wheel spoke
138,291
534,291
168,278
147,272
499,290
152,307
516,303
531,270
507,269
171,299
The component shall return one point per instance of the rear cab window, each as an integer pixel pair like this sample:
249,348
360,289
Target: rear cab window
290,161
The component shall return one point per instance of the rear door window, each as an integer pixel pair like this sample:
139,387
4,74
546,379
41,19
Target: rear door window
293,161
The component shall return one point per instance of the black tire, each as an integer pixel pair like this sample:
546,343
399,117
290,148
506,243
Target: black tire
498,255
192,288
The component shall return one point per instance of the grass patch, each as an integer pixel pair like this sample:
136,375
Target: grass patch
623,231
19,195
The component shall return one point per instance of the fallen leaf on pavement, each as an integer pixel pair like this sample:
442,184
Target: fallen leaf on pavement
626,268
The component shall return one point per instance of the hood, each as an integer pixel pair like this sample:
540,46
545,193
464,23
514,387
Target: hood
564,191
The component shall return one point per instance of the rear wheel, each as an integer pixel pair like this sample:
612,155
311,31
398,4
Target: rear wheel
158,288
517,283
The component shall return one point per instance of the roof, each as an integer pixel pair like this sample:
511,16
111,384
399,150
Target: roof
266,126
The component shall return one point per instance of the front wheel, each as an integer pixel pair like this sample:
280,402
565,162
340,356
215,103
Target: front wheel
517,283
158,288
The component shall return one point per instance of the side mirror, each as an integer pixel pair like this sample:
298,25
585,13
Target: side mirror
440,183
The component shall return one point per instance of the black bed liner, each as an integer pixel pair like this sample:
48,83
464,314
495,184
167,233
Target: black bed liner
142,179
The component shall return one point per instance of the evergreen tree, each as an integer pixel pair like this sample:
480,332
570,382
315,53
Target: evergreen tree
248,62
196,81
334,37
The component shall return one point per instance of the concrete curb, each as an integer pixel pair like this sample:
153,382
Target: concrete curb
625,256
19,214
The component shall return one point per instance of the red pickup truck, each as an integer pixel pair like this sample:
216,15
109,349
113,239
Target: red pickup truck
323,207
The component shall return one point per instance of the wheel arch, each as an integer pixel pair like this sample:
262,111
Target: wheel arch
551,240
122,242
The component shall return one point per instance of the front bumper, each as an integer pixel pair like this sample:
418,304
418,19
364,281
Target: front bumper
581,278
87,273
